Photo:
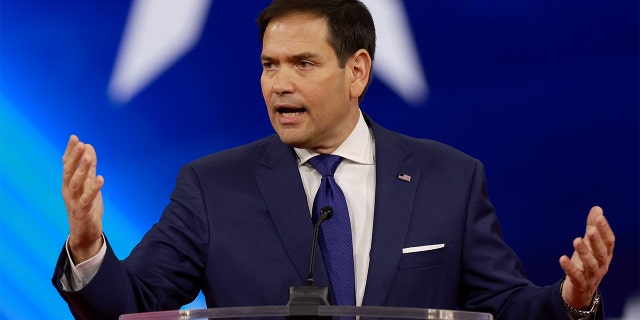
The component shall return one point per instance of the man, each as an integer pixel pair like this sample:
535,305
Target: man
239,225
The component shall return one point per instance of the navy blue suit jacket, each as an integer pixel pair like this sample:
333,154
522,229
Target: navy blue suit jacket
238,228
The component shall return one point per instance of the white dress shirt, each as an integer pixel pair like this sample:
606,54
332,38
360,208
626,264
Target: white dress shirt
356,177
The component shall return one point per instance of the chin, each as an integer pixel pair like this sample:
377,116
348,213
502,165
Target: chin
291,140
294,143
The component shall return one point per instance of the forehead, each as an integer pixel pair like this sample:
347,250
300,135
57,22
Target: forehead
296,32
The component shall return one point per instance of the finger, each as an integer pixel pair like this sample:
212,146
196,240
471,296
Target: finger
598,248
593,216
71,159
571,271
81,174
90,193
590,265
94,164
73,140
70,168
92,183
597,220
606,234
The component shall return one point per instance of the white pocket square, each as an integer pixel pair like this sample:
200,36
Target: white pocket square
423,248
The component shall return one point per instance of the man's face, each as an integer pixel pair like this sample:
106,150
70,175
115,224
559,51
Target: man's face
307,94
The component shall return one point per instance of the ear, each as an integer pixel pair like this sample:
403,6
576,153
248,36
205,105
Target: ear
360,67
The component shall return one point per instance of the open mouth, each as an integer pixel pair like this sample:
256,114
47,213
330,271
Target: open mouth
289,112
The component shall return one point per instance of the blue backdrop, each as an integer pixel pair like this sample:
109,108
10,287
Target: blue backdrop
545,93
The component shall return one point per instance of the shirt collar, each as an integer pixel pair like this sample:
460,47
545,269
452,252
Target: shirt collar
358,147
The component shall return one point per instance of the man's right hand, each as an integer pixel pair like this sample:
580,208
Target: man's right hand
83,199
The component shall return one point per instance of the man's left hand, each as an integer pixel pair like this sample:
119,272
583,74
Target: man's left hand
589,262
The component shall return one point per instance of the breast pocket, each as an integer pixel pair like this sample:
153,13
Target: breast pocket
430,257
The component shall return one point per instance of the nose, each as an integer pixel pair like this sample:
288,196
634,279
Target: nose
282,82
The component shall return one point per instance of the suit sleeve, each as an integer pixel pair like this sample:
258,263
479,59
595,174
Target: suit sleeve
493,278
163,272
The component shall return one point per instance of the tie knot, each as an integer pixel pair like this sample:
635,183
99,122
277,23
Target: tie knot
326,164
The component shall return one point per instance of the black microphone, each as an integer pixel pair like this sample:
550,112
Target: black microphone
325,214
304,300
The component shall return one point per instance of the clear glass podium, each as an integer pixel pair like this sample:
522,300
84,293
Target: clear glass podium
310,312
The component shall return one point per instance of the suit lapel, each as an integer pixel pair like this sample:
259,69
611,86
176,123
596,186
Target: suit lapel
392,212
280,183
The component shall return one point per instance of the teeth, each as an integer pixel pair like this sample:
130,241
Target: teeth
290,114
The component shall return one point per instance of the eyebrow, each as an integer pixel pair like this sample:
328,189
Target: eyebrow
297,57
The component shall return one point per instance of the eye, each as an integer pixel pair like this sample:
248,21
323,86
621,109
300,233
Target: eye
305,64
268,65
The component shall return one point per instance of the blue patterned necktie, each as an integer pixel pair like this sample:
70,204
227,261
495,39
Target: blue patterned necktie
335,233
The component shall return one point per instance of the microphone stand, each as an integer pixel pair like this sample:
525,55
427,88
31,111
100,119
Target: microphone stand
304,300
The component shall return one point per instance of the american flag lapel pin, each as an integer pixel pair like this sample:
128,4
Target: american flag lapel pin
404,176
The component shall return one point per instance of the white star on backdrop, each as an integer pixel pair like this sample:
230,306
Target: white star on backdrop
150,46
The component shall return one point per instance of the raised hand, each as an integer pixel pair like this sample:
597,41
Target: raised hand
83,199
589,262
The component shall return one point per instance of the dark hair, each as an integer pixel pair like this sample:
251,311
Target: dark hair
350,24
